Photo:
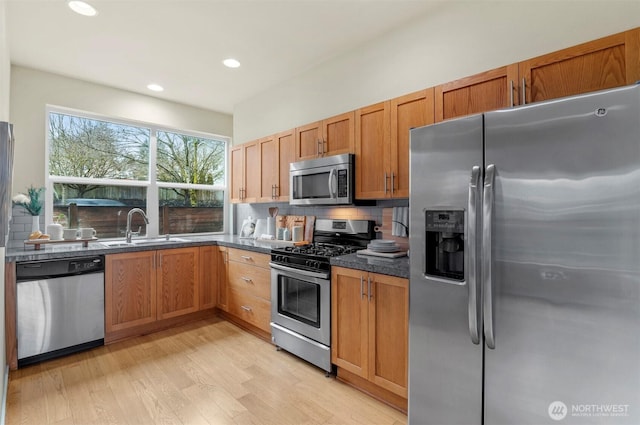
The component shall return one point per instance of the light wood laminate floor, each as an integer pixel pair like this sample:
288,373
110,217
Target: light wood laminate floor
206,372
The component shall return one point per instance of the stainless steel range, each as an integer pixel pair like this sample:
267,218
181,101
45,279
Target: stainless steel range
301,288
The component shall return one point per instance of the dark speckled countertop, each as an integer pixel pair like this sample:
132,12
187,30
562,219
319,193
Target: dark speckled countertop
390,266
75,249
395,267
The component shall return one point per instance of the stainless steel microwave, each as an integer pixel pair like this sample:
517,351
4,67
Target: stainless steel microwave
323,181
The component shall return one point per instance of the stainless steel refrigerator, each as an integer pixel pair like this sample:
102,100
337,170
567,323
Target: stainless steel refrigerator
525,265
6,174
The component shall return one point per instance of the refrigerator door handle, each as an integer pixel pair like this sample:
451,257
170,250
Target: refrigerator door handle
470,242
487,289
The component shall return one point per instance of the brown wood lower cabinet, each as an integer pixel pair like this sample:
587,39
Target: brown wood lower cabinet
248,290
209,276
369,335
221,301
148,290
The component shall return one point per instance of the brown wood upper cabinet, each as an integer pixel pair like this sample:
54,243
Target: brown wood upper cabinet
332,136
370,327
482,92
276,153
600,64
245,173
382,144
604,63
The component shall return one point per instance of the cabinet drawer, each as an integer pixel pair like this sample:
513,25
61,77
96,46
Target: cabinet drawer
248,278
249,257
253,310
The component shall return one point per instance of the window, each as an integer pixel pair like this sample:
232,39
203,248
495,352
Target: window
100,168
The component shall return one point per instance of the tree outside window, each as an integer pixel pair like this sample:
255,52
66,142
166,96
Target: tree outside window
99,169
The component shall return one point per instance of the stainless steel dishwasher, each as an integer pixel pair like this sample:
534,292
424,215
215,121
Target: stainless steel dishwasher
60,307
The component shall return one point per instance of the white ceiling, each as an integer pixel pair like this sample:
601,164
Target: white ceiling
180,44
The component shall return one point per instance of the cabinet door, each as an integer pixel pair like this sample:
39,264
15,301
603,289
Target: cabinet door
222,302
372,152
252,172
407,112
237,173
208,277
349,330
130,290
600,64
251,309
253,279
389,332
287,153
269,168
482,92
338,134
178,282
308,139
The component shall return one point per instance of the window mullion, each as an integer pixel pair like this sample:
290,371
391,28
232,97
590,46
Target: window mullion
153,202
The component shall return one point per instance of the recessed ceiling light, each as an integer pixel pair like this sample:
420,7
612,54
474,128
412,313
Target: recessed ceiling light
231,63
82,8
155,87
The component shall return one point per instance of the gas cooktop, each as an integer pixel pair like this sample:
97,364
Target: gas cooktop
334,238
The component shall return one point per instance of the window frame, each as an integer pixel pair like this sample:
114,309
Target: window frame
151,184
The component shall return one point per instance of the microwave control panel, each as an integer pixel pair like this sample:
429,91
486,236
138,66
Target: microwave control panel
343,184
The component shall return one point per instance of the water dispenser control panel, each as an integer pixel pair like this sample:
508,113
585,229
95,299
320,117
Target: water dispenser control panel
444,244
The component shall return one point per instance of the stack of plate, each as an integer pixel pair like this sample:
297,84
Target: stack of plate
383,245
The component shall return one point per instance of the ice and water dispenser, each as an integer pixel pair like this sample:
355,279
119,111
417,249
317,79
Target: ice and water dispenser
444,241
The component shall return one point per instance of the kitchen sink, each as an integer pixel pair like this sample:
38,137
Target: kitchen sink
157,240
114,244
144,241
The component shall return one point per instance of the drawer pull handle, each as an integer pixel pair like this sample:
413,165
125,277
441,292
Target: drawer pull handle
247,279
247,257
245,308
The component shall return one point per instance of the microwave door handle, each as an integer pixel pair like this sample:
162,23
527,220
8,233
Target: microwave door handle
332,174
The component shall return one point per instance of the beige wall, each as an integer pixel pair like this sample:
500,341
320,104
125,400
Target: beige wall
32,90
453,41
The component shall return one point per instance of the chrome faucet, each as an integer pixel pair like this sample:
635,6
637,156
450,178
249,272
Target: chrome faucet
128,232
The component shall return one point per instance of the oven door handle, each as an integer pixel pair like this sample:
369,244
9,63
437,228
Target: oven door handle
317,275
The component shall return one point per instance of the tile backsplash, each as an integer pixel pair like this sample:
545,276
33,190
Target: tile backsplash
21,222
242,211
20,226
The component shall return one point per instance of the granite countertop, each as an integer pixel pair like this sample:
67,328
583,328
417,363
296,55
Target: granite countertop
398,267
394,267
75,249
